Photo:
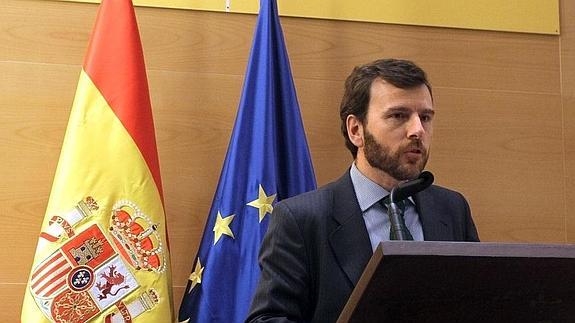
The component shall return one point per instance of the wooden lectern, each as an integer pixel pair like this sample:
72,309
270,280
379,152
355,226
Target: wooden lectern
409,281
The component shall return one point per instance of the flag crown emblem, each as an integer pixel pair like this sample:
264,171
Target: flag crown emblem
88,205
137,237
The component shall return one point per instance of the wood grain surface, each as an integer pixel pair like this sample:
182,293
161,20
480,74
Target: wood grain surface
504,132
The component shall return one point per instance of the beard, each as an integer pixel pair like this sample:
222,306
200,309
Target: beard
381,157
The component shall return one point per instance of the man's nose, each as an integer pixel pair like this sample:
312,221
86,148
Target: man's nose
415,127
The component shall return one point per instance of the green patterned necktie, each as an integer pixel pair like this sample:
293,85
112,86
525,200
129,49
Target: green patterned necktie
400,220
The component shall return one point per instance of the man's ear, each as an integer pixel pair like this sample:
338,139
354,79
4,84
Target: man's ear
354,130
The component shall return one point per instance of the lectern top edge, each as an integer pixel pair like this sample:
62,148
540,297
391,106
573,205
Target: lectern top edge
477,249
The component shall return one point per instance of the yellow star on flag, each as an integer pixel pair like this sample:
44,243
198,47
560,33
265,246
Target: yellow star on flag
222,226
196,275
263,203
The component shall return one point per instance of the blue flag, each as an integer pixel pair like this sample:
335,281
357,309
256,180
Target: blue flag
267,161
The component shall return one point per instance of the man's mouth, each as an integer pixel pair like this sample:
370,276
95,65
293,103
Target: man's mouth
414,154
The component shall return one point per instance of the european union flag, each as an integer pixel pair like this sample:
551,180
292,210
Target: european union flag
267,161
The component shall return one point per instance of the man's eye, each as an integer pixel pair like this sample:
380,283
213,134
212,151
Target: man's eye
399,116
426,117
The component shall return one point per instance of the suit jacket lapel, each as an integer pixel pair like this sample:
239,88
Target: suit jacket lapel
349,240
435,227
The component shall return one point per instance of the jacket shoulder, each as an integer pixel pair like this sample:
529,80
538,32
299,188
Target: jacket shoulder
443,192
319,202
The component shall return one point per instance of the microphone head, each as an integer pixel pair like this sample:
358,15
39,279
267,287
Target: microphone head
427,178
409,188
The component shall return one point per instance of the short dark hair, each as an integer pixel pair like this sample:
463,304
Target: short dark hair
400,73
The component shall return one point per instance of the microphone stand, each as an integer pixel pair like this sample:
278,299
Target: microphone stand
394,212
404,190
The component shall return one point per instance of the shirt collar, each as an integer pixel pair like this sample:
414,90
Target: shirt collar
367,191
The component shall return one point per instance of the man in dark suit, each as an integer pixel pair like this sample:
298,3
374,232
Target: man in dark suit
318,243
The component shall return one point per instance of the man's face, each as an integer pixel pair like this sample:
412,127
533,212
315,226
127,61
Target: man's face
397,130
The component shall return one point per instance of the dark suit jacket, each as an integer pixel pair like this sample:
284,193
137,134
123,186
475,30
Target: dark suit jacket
317,246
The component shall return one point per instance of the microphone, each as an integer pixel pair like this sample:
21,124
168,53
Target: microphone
398,230
407,189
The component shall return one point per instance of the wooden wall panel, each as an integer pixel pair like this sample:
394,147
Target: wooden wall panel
504,130
45,31
197,41
503,150
454,58
568,100
11,304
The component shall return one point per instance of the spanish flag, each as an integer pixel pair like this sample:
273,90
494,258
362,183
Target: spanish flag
102,253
